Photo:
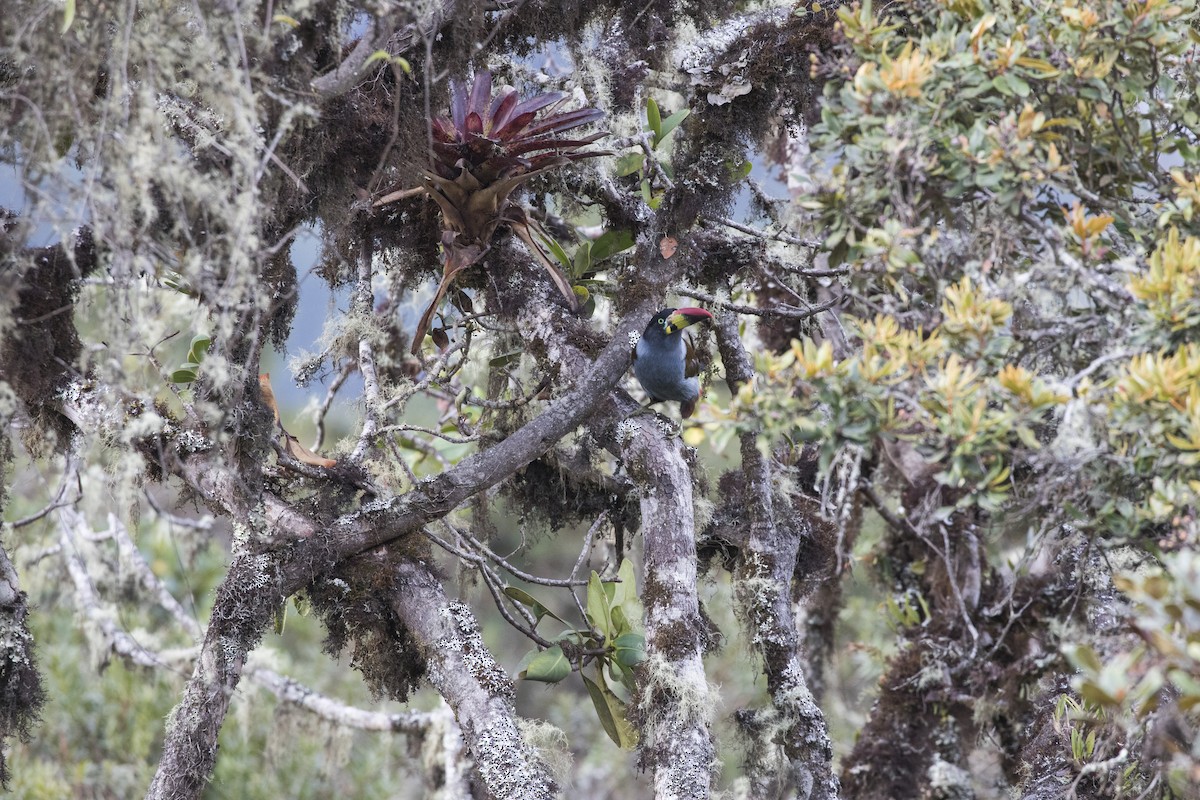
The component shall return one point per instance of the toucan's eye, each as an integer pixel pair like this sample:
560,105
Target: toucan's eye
662,322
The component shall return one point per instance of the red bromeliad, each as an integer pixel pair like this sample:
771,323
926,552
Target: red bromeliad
487,149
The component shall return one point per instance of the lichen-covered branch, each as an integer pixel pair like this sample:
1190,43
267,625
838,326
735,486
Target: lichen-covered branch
674,701
21,692
245,604
73,528
257,583
763,582
479,691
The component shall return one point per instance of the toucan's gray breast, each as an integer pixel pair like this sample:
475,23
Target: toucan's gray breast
660,368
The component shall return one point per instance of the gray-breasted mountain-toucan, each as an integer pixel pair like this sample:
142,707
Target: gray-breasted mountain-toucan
664,360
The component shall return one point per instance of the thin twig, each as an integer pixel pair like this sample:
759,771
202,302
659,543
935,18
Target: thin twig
401,426
497,595
761,234
56,503
319,415
504,405
787,312
363,305
508,567
205,523
583,552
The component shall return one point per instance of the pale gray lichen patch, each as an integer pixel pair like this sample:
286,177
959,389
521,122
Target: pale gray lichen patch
507,765
705,59
550,744
478,660
948,782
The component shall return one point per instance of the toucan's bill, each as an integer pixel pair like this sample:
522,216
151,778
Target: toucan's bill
684,317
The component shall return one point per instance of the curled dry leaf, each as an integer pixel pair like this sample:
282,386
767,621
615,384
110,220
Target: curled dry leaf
302,454
268,394
668,246
290,443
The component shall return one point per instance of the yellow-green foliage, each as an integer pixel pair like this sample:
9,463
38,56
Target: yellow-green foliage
997,178
1123,690
1170,287
1021,108
949,391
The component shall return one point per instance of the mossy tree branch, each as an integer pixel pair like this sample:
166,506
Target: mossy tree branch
763,587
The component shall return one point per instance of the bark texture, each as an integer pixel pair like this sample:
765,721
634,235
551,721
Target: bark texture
478,690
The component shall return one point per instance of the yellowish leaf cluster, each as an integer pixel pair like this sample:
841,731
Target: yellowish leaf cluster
907,73
1161,377
1170,287
969,313
1084,226
1028,388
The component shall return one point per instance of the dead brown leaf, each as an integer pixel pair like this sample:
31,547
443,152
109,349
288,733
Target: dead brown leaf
302,454
291,444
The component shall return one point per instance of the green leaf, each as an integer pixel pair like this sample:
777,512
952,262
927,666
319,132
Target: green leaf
557,250
526,599
654,119
626,590
1085,658
506,359
280,619
291,22
198,348
597,606
611,712
624,675
185,374
583,260
609,243
739,172
625,604
577,638
549,666
68,16
1028,437
629,164
629,649
378,55
620,622
1018,85
672,122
